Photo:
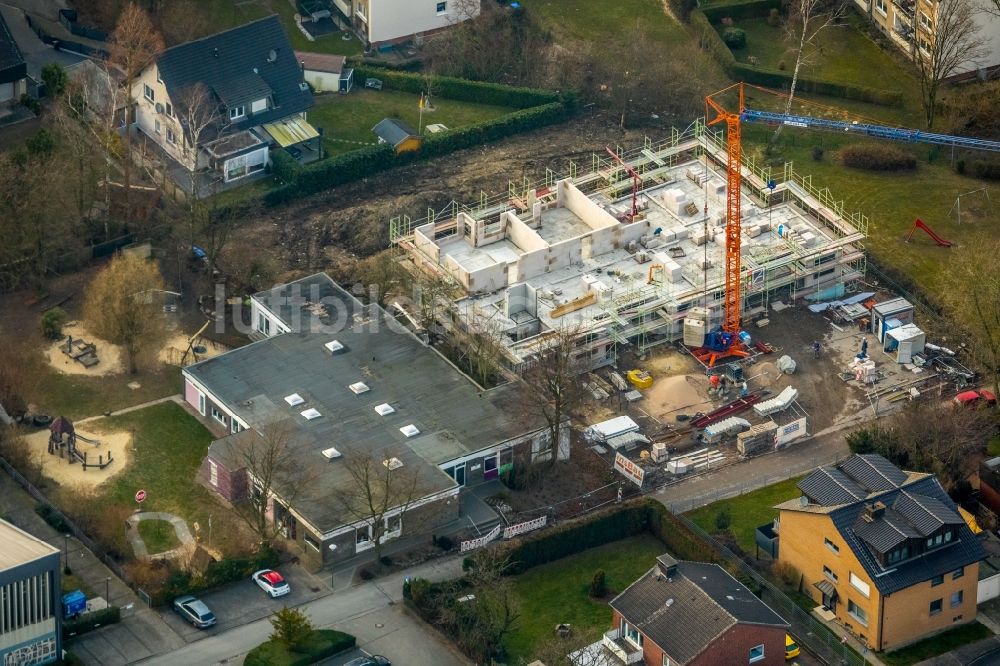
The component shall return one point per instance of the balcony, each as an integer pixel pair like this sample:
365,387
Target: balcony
621,648
904,10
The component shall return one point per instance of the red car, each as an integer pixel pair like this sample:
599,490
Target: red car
976,398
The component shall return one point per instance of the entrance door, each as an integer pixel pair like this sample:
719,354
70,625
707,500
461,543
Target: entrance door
458,473
490,470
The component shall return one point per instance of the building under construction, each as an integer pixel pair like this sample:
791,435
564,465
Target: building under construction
626,249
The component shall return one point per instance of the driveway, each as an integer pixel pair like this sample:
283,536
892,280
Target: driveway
36,53
372,612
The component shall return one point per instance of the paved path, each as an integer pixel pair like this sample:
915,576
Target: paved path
373,612
36,53
134,408
139,544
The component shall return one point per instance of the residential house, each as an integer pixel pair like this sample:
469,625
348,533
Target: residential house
30,632
382,23
348,381
883,551
222,103
397,134
688,614
13,70
326,72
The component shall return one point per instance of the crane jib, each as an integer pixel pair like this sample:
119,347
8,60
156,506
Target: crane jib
868,129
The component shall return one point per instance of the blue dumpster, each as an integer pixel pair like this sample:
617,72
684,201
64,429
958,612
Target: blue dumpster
74,603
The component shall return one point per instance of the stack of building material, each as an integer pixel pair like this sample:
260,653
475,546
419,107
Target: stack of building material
864,370
777,403
702,236
658,452
716,431
786,364
605,430
674,200
695,327
757,439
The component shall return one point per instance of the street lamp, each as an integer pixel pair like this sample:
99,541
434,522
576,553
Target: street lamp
107,590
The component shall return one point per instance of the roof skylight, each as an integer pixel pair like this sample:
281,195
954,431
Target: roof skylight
311,414
331,453
294,399
410,430
334,346
359,387
384,409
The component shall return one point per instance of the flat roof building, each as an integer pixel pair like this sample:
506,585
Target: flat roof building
29,598
568,253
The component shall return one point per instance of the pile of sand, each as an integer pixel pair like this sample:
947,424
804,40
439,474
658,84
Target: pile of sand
679,394
762,375
109,355
174,347
118,444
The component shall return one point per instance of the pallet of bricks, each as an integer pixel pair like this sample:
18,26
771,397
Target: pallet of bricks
758,439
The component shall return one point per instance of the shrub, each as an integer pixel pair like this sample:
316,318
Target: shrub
55,79
53,518
93,620
52,323
782,65
787,574
598,584
291,627
385,560
960,167
444,543
773,17
735,38
986,170
877,157
318,645
284,167
366,574
723,519
817,153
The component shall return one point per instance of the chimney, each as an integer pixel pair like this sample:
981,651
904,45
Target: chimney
667,565
874,511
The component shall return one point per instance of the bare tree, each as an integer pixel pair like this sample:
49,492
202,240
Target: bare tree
807,19
133,45
198,111
953,41
484,622
980,304
273,473
479,346
379,492
123,305
552,385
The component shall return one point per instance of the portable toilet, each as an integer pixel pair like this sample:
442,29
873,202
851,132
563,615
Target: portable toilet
888,342
74,603
895,308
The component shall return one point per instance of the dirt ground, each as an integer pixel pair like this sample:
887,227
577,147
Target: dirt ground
116,443
109,355
174,347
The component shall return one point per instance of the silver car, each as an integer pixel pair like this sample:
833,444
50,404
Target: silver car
194,611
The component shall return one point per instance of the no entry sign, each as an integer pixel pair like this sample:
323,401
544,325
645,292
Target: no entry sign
140,495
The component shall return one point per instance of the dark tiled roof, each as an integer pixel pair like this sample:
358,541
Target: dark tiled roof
873,472
885,533
10,55
964,550
393,131
225,63
687,612
829,486
926,514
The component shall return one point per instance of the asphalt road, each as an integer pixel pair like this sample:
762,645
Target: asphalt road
372,612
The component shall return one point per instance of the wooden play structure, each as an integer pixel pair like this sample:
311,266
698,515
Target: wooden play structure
62,442
81,351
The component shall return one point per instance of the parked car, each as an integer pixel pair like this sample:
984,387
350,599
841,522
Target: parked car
976,398
194,611
792,649
271,582
370,660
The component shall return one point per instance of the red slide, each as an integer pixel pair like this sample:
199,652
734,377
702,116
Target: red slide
918,223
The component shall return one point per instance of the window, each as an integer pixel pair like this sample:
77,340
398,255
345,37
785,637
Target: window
218,415
828,572
880,6
861,586
201,404
937,540
363,538
899,554
958,573
442,7
156,126
170,110
925,21
311,542
263,325
171,137
957,598
258,106
666,660
213,473
234,427
148,93
935,607
756,653
857,612
832,546
393,527
937,580
237,112
632,634
158,79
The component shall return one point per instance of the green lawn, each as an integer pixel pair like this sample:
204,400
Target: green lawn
937,645
169,445
347,120
77,396
158,535
602,24
224,14
747,512
557,592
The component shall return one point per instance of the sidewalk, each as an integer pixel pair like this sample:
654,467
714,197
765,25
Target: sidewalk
140,634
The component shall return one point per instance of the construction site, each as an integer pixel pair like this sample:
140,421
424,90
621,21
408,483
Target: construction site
622,253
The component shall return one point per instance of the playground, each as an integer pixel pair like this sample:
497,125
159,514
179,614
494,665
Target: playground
84,460
79,352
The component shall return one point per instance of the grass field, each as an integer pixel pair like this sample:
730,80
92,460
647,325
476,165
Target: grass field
77,396
158,535
747,512
936,645
557,592
602,23
347,120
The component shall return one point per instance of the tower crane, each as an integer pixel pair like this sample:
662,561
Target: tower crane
728,340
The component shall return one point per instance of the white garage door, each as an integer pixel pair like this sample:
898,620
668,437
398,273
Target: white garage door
6,91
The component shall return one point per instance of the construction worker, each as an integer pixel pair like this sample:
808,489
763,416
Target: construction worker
744,391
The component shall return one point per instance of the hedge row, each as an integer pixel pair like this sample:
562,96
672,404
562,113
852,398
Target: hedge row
710,39
358,164
217,573
979,168
320,644
93,620
463,90
877,157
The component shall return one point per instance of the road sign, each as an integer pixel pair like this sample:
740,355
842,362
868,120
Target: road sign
140,495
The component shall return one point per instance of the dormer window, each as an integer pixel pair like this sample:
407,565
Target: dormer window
237,112
258,106
148,93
